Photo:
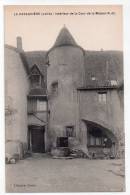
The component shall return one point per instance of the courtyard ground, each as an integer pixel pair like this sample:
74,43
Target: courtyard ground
44,174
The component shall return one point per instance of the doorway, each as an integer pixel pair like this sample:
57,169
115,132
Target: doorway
36,139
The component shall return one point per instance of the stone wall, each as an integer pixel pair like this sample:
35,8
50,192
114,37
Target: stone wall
69,106
16,90
109,115
66,68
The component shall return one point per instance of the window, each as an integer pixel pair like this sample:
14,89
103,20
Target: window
93,78
102,97
54,88
41,105
35,80
98,139
36,76
32,105
95,141
35,105
113,82
70,131
62,141
91,140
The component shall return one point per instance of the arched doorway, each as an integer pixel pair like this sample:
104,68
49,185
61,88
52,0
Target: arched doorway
101,142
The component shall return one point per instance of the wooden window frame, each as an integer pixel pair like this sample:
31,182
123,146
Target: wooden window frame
54,88
102,97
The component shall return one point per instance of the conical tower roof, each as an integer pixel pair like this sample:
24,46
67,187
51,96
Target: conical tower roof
64,38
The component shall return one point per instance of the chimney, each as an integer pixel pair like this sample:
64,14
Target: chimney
19,44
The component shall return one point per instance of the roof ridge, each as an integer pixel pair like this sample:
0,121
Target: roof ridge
36,51
64,38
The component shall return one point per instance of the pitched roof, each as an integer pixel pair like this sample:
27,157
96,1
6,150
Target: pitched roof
37,58
36,70
65,38
103,68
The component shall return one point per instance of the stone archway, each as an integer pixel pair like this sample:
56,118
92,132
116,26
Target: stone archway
100,141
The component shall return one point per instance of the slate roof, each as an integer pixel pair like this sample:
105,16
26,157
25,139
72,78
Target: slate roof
104,66
65,38
38,58
101,67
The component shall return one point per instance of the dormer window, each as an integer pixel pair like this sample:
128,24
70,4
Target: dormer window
35,77
35,80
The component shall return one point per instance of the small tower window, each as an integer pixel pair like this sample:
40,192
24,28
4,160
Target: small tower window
54,88
70,131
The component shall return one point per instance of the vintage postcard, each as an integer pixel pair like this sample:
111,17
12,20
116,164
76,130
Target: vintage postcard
64,98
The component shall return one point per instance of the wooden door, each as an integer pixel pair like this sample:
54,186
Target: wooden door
37,140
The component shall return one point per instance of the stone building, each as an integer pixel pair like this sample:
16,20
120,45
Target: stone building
65,97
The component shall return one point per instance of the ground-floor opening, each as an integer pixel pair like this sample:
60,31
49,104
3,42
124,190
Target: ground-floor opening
101,142
36,139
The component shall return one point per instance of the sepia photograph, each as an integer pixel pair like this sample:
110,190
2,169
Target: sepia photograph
64,98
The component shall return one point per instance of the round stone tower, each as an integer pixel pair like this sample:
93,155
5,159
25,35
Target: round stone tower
65,74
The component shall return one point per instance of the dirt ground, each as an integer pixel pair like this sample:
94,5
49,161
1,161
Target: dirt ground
44,174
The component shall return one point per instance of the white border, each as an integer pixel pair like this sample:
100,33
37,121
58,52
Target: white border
126,4
63,2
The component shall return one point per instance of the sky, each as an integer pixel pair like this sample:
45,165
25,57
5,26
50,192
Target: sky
92,32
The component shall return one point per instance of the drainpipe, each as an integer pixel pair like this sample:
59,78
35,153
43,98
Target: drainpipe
47,116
